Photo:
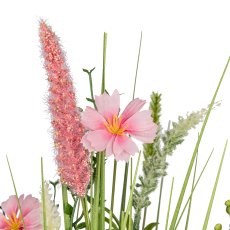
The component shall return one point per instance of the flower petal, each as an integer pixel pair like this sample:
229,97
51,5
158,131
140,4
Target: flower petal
92,120
33,219
123,147
3,224
141,126
86,143
109,148
99,139
133,107
28,204
10,206
146,136
107,105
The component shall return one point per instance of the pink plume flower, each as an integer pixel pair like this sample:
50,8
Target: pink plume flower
108,131
31,214
72,159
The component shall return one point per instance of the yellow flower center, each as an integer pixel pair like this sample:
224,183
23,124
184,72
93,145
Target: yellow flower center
114,126
14,223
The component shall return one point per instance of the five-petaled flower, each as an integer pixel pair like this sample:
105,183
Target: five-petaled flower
110,131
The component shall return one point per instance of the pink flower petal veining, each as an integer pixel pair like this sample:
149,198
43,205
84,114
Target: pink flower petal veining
72,159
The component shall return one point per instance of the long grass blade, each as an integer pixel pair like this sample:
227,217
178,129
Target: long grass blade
190,201
214,189
187,202
180,199
15,190
169,205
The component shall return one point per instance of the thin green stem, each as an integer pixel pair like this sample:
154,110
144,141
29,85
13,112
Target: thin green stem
187,202
91,84
65,204
16,193
123,199
169,205
85,212
113,184
131,179
144,218
43,197
104,63
76,201
159,201
214,189
129,206
102,192
182,193
190,202
138,59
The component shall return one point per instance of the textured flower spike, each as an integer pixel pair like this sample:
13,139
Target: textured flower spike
72,159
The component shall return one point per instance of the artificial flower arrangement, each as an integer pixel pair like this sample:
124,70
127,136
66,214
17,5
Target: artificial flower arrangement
85,139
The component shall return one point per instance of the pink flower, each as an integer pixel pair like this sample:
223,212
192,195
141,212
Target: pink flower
72,159
31,214
108,131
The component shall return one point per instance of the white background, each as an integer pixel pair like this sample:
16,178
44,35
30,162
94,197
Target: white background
184,50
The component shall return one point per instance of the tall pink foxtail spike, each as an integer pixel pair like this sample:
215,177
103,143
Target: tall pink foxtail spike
72,159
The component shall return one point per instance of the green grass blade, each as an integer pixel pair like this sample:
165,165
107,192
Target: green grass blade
187,202
214,189
15,190
65,205
43,197
190,201
169,205
180,199
159,201
129,206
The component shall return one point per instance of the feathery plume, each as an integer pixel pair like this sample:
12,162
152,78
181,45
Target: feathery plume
72,159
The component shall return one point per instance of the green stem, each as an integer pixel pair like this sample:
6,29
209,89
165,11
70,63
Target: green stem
169,205
144,218
16,193
104,62
73,211
94,221
85,212
187,202
102,192
65,204
127,164
43,197
159,202
190,202
124,189
182,193
113,184
214,189
129,206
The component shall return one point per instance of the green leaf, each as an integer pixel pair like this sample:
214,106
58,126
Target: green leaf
90,100
150,226
68,209
81,226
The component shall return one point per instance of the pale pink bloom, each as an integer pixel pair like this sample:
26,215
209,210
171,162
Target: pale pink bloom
110,131
13,220
72,159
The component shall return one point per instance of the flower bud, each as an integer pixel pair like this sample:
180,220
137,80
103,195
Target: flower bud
228,210
218,227
227,203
